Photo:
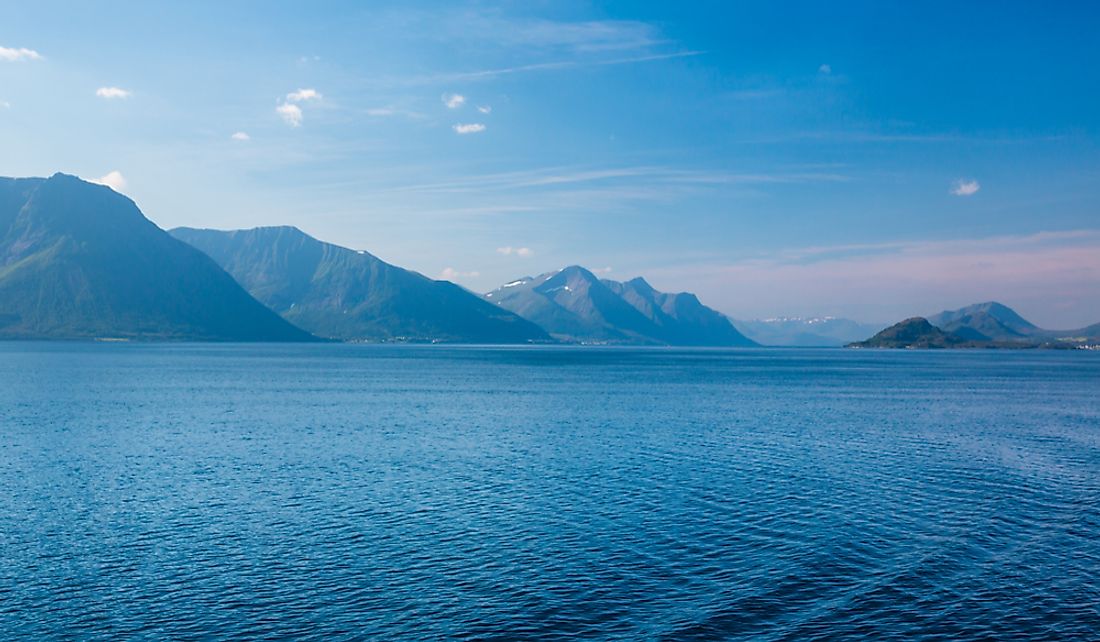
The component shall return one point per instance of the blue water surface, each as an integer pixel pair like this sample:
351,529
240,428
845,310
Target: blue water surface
227,492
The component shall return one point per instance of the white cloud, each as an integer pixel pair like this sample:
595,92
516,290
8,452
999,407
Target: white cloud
303,95
825,69
110,93
965,187
113,179
453,101
485,109
241,136
18,55
517,251
5,104
381,111
451,274
291,114
469,128
603,270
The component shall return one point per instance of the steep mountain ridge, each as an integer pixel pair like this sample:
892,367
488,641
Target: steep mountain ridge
79,260
573,304
352,295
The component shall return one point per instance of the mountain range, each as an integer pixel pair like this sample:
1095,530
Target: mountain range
575,305
982,325
80,261
350,295
818,332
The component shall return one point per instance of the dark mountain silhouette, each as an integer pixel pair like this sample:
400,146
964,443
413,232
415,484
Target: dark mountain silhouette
990,321
80,261
998,323
916,332
572,304
345,294
983,325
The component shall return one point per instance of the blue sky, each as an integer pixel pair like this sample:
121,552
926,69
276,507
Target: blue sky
872,160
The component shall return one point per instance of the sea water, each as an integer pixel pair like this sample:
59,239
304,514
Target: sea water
335,492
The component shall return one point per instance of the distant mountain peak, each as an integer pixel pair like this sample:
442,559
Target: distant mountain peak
822,331
574,305
990,320
575,271
640,283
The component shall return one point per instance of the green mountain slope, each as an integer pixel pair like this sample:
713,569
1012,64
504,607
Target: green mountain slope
344,294
80,261
916,332
990,321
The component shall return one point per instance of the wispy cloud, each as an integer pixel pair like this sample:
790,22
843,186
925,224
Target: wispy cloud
113,179
303,95
568,36
825,69
451,274
453,101
523,252
965,187
468,128
556,176
290,113
241,136
112,93
485,109
489,74
391,111
5,104
20,54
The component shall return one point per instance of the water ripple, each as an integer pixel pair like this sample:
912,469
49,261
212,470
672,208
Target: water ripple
354,492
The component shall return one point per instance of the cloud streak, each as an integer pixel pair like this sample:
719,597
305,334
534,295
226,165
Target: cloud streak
650,176
113,93
468,128
303,95
523,252
489,74
20,54
451,274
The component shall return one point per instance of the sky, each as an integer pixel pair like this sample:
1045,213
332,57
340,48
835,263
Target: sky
871,160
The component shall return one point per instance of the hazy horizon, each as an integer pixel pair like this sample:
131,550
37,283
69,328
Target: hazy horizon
867,161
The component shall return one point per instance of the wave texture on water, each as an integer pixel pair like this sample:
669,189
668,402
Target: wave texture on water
356,492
